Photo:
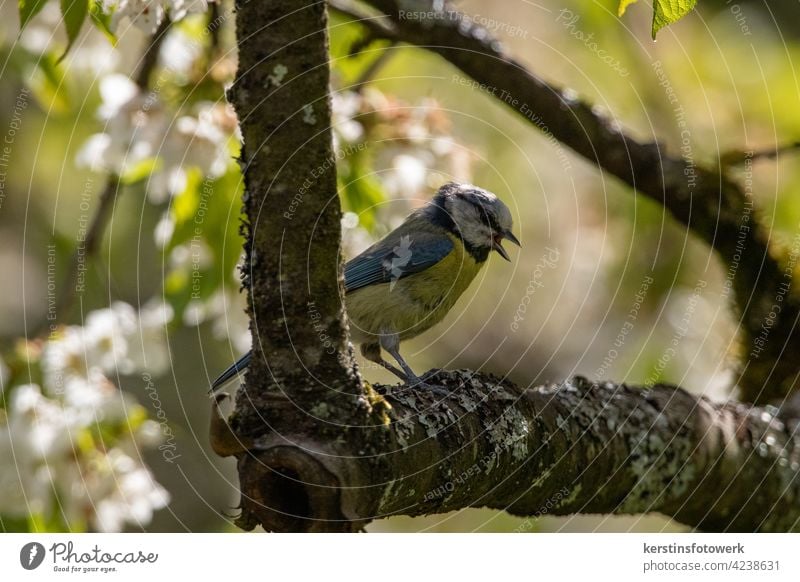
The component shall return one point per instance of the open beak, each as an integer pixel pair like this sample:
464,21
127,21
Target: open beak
498,238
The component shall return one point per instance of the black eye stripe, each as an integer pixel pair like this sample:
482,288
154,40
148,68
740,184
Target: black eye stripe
488,219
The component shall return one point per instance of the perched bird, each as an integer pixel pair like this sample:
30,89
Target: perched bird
407,282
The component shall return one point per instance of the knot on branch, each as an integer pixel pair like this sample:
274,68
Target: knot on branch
286,489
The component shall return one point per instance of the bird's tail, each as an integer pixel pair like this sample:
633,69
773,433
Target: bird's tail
232,371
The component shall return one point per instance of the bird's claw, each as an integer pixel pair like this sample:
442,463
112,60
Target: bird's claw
421,382
382,389
430,374
439,391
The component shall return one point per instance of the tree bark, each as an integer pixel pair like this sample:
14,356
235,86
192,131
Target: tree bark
302,377
576,447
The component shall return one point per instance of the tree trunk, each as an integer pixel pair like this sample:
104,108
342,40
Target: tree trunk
302,388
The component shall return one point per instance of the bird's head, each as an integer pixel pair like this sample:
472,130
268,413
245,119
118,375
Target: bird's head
480,216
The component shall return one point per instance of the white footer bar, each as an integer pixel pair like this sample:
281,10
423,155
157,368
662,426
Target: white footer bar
400,557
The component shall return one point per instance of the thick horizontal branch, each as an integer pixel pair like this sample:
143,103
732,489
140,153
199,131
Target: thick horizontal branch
712,206
576,447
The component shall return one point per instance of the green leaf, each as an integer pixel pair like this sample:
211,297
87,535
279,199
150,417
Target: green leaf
362,195
28,9
206,214
669,11
623,5
665,12
102,20
361,192
74,13
348,35
15,524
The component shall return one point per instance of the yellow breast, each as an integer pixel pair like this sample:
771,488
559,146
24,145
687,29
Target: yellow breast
412,304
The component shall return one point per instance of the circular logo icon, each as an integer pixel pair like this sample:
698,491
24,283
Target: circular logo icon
31,555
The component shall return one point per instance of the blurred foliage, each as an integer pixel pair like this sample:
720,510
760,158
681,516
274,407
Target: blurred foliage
205,213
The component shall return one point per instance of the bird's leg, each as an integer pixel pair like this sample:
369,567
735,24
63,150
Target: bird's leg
372,352
391,343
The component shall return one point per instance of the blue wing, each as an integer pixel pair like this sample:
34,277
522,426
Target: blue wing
396,257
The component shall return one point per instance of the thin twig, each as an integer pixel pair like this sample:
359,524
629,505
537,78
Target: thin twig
149,59
214,22
380,26
738,157
372,69
89,246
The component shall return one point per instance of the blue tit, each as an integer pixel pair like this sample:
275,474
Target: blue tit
407,282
